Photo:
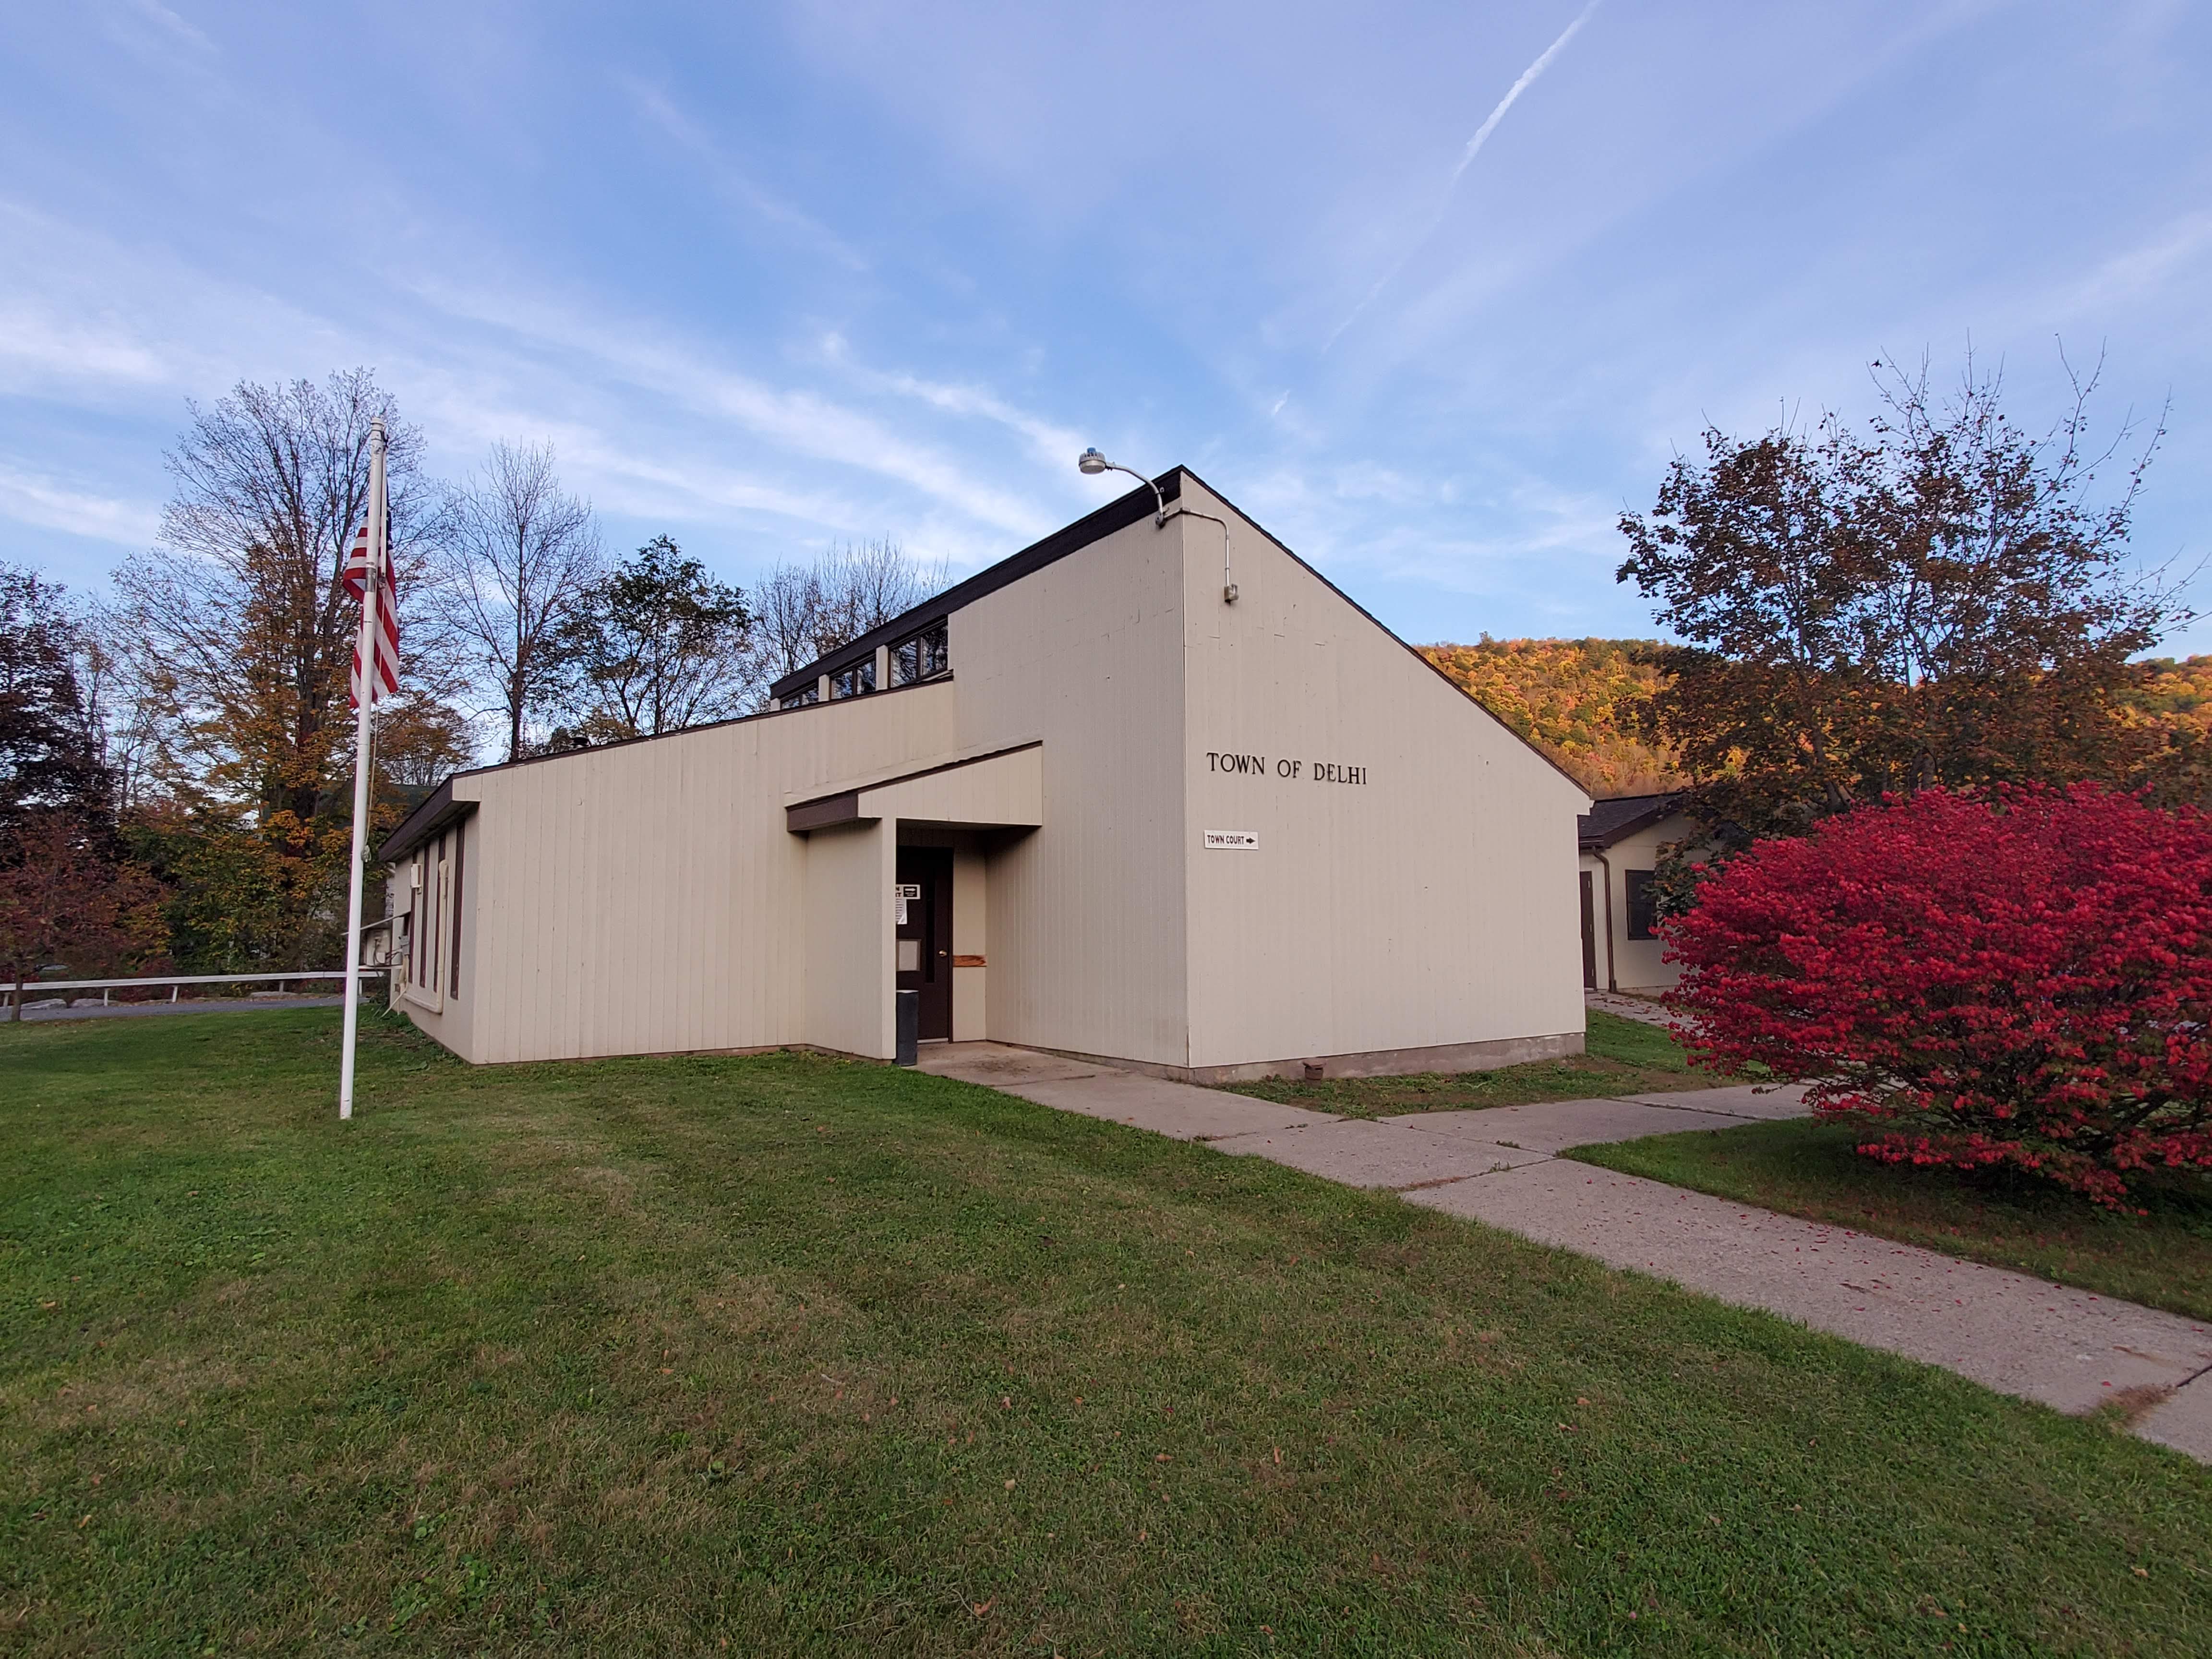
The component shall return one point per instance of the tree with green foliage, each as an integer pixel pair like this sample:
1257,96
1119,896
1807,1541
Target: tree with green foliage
50,748
1940,600
67,897
658,645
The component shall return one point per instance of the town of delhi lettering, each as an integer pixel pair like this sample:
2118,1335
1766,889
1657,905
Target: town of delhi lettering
1256,766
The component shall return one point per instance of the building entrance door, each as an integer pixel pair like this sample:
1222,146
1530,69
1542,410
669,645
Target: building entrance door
924,926
1590,936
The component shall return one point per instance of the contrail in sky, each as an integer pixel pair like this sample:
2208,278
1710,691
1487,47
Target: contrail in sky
1473,148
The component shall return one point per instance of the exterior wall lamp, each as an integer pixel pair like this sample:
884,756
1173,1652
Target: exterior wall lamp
1093,462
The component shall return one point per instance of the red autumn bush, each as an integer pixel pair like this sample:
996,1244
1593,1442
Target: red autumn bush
2018,978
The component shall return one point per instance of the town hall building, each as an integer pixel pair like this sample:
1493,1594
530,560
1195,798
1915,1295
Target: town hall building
1150,792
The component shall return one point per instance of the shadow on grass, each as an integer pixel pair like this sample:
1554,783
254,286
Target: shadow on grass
1621,1057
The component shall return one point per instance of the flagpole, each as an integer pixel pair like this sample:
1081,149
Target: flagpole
366,656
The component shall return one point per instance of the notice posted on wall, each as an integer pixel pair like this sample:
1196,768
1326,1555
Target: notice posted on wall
1234,840
909,892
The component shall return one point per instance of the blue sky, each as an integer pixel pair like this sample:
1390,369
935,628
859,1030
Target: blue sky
772,277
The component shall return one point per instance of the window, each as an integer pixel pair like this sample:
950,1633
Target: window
811,692
432,934
921,656
852,682
1640,915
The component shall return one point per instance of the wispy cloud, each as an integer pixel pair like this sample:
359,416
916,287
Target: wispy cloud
150,24
735,182
29,496
1467,159
1050,442
797,420
39,346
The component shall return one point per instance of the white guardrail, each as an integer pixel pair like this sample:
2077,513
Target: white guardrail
175,981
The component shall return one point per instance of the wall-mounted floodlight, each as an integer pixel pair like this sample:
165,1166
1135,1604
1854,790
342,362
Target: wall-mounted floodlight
1093,462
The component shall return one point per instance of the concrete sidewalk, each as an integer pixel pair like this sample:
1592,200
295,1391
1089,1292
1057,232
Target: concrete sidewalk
2064,1348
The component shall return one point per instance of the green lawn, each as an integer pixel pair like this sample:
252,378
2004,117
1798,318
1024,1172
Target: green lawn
1622,1057
2163,1258
806,1357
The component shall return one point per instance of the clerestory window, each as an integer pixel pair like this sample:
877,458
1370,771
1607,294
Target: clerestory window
921,656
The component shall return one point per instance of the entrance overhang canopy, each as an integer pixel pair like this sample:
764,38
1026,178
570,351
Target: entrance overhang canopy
998,789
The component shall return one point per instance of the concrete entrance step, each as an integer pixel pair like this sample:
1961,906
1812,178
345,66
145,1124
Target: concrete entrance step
1177,1110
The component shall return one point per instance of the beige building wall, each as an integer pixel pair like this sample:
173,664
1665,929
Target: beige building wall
1086,927
847,943
649,898
1430,904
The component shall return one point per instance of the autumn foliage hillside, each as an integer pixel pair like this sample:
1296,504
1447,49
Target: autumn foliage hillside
1571,698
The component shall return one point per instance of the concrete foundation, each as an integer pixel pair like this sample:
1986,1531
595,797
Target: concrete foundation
1379,1062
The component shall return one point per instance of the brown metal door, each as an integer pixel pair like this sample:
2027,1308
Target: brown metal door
1590,936
925,935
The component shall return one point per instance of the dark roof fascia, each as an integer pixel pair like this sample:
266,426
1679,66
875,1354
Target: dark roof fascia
1661,806
1413,651
825,813
1117,514
844,806
437,811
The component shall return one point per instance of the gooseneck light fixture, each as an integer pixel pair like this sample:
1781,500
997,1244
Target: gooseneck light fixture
1093,462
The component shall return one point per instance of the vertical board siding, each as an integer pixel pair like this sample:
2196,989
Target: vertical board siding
971,937
849,872
649,898
1433,904
1086,916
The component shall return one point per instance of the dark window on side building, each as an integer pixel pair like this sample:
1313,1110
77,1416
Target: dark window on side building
1640,917
855,681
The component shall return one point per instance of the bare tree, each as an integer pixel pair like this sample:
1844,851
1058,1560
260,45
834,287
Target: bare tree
865,585
516,557
242,629
804,611
122,722
787,607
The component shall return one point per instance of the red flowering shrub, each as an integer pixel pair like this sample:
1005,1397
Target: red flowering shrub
2021,978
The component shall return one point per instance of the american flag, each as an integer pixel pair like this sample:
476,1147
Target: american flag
387,618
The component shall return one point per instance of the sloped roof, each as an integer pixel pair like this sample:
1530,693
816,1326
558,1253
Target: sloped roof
1619,817
1140,503
1122,510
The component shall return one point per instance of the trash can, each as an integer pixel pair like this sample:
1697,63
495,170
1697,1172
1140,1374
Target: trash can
910,1026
